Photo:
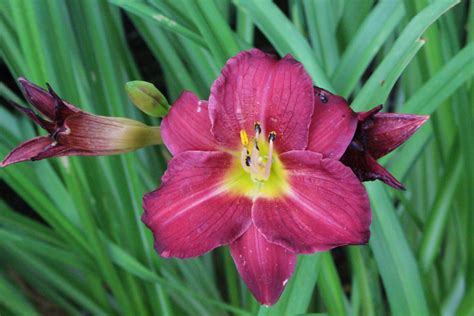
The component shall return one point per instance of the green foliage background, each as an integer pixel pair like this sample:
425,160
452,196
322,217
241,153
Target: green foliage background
90,252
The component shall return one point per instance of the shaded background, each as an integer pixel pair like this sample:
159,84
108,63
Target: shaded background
70,236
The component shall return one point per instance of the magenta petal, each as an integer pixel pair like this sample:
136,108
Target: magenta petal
265,267
326,207
253,86
362,116
43,147
191,213
41,99
333,125
27,150
59,150
387,131
47,125
187,126
38,97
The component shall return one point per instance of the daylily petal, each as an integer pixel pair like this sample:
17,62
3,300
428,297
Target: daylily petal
363,116
387,131
59,150
326,207
366,168
255,87
265,267
187,125
41,99
47,125
191,213
27,150
333,125
43,147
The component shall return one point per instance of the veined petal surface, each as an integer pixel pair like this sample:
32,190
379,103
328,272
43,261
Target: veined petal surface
255,87
326,206
387,131
191,213
27,150
333,125
106,134
187,126
265,267
41,99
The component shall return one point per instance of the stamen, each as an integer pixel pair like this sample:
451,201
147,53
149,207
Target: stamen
268,166
255,156
250,159
258,129
245,159
244,138
272,136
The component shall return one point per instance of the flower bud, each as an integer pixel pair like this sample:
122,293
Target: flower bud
72,132
147,98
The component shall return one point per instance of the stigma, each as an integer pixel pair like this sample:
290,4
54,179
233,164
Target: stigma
254,160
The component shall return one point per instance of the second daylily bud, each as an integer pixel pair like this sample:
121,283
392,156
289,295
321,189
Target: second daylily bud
147,98
73,132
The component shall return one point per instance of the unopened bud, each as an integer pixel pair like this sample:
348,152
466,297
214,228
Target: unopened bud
147,98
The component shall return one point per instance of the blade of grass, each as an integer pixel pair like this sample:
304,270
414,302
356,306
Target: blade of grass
13,299
130,264
220,28
395,259
321,22
434,227
149,12
245,27
48,274
330,287
377,88
454,74
361,274
364,45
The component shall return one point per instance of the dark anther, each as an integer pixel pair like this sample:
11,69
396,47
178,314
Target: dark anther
323,98
258,128
247,161
272,136
355,144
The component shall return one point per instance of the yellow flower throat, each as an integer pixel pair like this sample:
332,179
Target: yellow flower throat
256,171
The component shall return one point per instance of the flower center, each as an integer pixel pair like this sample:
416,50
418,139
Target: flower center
256,170
253,158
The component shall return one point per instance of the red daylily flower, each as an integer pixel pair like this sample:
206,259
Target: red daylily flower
377,135
257,167
73,132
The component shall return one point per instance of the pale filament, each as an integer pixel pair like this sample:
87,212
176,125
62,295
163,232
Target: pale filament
268,166
255,156
243,159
